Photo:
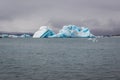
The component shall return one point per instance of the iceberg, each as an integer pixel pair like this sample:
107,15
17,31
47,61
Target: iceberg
43,32
4,35
25,36
69,31
72,31
13,36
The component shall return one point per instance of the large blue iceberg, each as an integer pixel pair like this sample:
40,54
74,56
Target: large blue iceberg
70,31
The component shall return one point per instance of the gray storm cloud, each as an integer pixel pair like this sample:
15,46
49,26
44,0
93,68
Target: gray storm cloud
101,16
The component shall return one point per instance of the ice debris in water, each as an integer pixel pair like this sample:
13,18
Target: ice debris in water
70,31
93,39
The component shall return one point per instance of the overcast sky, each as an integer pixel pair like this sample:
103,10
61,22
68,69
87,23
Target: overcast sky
100,16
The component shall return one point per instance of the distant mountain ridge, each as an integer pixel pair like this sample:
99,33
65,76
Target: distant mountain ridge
16,33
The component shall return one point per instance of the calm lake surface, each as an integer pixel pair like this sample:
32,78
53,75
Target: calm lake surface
60,59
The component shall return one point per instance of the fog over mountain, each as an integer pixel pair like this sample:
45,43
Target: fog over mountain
101,16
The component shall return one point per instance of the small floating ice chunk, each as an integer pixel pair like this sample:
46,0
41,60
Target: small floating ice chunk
25,36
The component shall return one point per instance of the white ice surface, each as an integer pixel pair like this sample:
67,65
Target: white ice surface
72,31
43,32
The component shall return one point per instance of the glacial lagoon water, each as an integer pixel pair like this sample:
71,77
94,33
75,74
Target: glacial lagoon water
60,59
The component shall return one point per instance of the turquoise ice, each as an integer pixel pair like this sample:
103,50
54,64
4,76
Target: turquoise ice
43,32
69,31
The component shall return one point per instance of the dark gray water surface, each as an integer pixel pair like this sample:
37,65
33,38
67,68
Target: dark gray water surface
60,59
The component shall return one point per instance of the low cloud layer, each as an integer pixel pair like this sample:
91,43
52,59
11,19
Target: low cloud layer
101,16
